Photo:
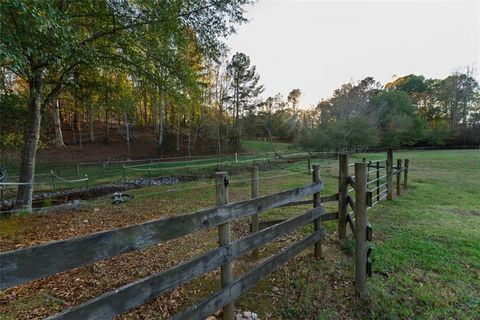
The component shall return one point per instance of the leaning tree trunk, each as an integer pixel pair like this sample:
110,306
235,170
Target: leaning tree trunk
58,125
29,151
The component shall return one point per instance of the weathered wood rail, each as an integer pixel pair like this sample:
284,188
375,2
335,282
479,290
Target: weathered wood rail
23,265
28,264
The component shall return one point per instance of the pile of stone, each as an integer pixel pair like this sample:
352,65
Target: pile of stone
145,182
93,192
240,315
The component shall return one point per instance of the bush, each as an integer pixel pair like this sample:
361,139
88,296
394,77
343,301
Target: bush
340,135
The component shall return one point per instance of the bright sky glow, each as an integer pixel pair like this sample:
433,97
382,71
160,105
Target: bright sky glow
318,45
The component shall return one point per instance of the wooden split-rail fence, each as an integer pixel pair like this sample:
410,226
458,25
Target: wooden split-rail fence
24,265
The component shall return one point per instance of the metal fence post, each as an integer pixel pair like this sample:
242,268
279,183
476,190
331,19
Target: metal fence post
255,193
399,177
405,173
342,195
317,202
378,180
360,228
390,174
224,239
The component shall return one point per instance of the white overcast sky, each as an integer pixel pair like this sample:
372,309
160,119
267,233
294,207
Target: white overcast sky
318,45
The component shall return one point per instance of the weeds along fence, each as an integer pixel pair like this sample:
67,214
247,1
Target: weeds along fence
23,265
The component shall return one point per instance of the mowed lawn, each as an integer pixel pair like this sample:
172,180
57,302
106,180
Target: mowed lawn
426,259
427,243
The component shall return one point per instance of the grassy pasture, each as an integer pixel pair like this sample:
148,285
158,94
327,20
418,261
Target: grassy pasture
265,146
426,259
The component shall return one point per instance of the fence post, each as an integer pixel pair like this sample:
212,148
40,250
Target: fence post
317,202
390,174
399,177
378,181
124,176
308,165
255,194
405,173
342,195
53,180
224,239
104,168
86,181
360,228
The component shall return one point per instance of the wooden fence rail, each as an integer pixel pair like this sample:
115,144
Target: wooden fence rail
23,265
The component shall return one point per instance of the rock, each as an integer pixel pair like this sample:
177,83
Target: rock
239,316
218,313
247,314
254,316
211,318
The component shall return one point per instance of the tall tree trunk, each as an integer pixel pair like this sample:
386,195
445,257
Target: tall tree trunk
145,105
189,138
154,116
107,134
29,151
58,125
219,140
178,132
160,122
127,128
90,123
79,128
236,118
73,127
165,111
227,123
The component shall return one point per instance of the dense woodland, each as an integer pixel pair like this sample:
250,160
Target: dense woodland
102,67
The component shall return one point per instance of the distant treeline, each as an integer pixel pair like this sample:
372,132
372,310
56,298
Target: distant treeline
409,111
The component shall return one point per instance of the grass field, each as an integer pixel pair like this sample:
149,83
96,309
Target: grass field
426,259
265,146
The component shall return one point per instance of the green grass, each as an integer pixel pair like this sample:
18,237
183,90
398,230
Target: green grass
266,146
427,259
